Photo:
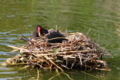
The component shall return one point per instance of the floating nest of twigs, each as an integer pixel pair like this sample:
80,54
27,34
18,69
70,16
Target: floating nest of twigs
76,53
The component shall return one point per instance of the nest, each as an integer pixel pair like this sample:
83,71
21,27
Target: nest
76,53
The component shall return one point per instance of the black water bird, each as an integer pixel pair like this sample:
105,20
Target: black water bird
53,36
39,31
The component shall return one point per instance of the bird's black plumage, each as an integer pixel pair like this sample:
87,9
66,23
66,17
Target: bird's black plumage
53,37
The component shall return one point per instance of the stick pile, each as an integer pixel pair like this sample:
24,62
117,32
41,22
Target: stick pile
78,52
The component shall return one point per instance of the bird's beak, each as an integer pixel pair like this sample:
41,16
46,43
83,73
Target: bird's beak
39,34
39,31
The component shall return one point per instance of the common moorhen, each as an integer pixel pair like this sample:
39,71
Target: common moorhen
53,37
39,31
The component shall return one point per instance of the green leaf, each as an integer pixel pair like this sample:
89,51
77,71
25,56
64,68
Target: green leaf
55,51
58,61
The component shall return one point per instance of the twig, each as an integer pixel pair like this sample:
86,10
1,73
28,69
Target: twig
38,74
17,48
102,48
26,39
54,63
79,54
73,64
64,66
88,31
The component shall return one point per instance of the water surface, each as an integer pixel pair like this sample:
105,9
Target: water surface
19,17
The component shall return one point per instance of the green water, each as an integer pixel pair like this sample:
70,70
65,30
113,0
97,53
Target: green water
19,17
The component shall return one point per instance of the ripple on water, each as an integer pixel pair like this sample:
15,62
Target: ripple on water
5,32
4,68
2,58
10,78
5,44
7,72
11,16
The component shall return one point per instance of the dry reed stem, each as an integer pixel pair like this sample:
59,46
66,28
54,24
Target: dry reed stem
80,57
54,64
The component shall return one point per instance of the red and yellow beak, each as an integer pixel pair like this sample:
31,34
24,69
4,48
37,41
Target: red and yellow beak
39,31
